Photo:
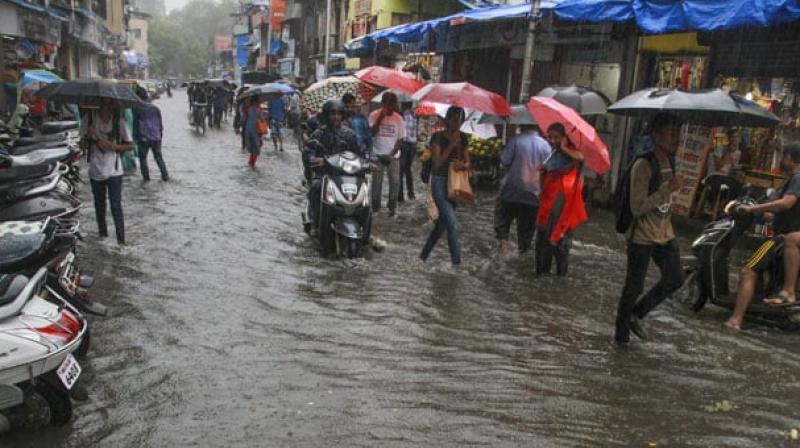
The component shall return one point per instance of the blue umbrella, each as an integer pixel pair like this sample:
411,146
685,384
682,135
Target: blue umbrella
283,88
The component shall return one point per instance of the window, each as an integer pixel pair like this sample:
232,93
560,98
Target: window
400,19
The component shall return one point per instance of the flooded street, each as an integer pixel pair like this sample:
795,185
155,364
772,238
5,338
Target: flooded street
227,329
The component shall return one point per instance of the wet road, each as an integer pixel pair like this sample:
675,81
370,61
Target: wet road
227,330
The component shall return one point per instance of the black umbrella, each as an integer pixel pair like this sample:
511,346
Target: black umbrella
264,92
583,100
89,92
521,116
713,107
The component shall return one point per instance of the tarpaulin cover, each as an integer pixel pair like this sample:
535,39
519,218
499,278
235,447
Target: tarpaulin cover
43,76
241,49
415,32
668,16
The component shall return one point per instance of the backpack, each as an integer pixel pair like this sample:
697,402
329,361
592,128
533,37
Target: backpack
622,194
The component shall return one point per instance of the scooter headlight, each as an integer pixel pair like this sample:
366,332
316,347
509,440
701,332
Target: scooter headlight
328,193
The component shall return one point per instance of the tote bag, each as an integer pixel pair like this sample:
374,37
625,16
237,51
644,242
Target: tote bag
458,187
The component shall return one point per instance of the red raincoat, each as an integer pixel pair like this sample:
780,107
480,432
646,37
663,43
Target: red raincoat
573,213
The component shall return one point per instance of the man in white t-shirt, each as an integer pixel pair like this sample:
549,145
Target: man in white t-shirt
389,130
105,140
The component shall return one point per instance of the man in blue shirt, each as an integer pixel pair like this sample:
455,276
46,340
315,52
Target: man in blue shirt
356,121
522,156
276,117
148,130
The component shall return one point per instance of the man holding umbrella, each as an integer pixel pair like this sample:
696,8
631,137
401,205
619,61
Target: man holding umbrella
652,182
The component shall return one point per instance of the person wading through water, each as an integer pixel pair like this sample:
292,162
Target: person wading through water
105,135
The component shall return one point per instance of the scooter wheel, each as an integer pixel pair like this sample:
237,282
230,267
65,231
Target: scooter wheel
58,401
353,248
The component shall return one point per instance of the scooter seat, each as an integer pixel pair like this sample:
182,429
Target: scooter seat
10,287
25,141
20,150
15,174
41,157
16,248
58,126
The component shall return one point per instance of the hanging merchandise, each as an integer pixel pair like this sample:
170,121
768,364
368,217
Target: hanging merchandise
683,73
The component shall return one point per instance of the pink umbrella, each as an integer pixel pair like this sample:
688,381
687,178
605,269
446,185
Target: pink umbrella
390,78
547,111
465,95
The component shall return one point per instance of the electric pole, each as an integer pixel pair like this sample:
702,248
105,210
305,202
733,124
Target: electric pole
530,47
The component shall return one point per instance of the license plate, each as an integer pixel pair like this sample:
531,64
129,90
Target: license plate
69,371
349,189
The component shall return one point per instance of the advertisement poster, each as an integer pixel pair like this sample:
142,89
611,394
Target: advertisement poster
690,163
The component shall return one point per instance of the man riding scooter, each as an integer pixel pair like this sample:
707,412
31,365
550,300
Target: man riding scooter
330,138
785,215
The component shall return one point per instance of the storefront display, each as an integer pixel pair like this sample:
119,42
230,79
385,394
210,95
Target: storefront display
680,72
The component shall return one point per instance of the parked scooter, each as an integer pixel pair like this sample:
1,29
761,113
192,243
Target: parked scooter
26,246
344,219
707,271
37,342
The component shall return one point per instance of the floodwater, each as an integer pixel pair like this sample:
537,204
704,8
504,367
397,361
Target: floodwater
227,329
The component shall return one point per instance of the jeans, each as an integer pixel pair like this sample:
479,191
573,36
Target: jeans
155,146
447,221
407,152
112,185
394,184
668,259
525,214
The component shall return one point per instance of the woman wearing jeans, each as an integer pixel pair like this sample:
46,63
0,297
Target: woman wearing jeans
447,147
105,135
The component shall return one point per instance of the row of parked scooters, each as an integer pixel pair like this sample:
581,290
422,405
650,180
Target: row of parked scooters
43,295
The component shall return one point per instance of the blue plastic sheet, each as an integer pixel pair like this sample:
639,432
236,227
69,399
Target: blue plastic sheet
415,32
669,16
44,76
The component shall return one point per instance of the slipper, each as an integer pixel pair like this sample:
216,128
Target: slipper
780,300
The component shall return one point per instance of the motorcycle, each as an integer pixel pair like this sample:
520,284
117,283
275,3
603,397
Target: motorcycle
344,220
37,342
707,270
199,117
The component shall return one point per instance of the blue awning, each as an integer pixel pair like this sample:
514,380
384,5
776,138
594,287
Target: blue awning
669,16
58,15
415,32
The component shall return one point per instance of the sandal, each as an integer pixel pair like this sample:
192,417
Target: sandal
780,300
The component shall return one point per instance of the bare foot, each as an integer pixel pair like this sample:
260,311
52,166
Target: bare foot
783,298
503,249
733,325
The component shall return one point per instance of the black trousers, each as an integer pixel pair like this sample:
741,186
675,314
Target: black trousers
546,252
505,213
111,187
146,146
407,152
668,259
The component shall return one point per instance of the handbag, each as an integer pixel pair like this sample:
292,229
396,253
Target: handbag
458,187
431,208
427,166
261,126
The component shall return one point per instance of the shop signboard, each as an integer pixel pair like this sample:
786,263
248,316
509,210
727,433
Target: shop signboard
470,36
39,28
690,163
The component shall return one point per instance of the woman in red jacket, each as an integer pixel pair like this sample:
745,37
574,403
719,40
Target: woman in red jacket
561,206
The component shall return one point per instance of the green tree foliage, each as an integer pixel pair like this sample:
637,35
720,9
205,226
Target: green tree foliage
181,43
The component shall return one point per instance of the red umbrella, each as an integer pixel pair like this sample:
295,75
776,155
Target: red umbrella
547,111
465,95
390,78
425,110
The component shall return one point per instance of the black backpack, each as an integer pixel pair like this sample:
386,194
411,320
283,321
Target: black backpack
622,194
